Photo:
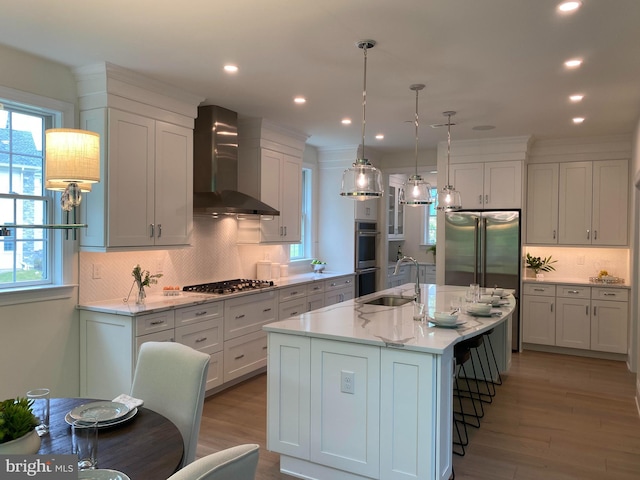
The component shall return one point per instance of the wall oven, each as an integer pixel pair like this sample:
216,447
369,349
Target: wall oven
366,241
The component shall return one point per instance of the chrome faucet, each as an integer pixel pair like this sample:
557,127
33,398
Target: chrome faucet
406,259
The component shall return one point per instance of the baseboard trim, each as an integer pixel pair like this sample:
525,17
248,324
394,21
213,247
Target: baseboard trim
620,357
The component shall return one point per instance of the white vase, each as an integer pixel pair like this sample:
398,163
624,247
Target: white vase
27,444
539,276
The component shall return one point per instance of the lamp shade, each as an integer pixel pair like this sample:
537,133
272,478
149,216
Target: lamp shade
362,181
415,192
449,199
61,186
72,156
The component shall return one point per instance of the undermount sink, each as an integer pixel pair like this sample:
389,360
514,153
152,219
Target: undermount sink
389,301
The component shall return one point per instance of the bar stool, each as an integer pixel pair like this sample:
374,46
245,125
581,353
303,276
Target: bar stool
462,354
497,379
474,345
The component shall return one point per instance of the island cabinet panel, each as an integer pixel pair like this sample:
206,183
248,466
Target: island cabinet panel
289,405
345,424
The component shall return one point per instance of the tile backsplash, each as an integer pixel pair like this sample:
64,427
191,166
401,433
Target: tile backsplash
214,255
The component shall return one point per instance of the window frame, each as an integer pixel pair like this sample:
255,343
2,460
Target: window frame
429,213
306,220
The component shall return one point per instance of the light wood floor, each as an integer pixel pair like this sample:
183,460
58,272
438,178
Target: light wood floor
556,417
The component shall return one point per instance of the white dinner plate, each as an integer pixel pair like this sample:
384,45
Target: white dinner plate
490,314
107,423
447,325
102,474
101,411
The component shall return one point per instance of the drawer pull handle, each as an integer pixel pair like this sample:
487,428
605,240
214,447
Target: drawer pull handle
587,310
316,288
199,314
201,339
239,357
595,311
293,313
294,293
552,307
333,284
266,310
538,289
239,316
573,292
157,322
609,294
264,348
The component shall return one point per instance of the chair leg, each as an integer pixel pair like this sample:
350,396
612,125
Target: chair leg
495,362
478,413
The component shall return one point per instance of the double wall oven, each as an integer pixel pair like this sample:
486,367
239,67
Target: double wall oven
366,243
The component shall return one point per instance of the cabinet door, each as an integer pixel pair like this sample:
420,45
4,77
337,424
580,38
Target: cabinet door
574,204
173,184
366,210
315,301
609,326
270,175
468,178
610,202
573,323
502,184
542,203
538,320
131,189
291,200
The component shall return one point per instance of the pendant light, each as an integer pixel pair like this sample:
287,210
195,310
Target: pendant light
416,190
448,198
362,181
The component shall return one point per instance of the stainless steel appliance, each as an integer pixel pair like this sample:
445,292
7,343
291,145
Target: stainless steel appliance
229,286
366,241
484,247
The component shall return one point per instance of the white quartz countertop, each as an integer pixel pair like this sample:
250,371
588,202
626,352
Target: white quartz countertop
574,281
354,321
156,301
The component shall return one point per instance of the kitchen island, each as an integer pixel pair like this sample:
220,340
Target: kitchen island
360,391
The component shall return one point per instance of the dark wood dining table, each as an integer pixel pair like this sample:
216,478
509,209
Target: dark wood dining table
146,447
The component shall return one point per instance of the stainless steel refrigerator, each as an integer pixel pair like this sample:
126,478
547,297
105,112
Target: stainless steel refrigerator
484,247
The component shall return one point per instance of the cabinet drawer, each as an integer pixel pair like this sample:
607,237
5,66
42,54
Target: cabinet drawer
199,313
215,374
204,336
618,294
315,301
336,296
290,293
249,313
164,336
338,283
315,287
155,322
292,308
536,289
244,354
573,291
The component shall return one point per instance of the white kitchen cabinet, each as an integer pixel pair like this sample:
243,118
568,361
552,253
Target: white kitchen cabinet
339,289
573,317
488,185
542,203
427,273
538,314
403,276
300,299
145,196
366,210
395,211
593,203
609,321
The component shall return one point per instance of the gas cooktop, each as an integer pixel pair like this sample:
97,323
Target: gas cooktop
229,286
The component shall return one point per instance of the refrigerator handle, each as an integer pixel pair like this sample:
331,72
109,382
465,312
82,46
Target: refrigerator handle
476,232
483,258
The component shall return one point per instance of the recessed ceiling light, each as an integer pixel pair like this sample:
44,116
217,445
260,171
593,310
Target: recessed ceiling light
576,98
573,63
231,68
578,120
570,6
346,121
379,136
300,100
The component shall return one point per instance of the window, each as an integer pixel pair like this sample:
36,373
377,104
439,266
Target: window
302,250
430,221
26,252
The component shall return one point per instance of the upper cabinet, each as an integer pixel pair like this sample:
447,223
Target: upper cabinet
395,227
488,185
578,203
145,196
367,210
270,169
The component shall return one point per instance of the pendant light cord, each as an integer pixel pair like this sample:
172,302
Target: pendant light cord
448,147
416,122
364,98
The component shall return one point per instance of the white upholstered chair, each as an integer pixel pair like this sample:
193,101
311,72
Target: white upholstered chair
235,463
170,378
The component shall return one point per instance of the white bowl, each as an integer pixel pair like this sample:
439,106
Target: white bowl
498,292
445,318
489,299
479,308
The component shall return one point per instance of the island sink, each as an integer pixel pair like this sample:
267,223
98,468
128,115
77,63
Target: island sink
389,301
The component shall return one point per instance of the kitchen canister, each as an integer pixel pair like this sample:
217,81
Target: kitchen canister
263,270
284,270
275,271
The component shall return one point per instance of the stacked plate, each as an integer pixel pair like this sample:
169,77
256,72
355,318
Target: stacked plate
479,309
108,414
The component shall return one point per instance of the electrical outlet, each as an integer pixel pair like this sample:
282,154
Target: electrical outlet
159,265
97,271
347,382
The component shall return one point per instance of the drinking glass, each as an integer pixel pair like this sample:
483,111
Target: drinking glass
40,408
418,311
85,442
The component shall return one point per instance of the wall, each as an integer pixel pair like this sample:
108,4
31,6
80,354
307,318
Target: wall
39,340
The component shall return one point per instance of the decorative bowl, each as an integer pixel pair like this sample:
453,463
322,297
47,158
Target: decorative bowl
479,308
319,267
445,318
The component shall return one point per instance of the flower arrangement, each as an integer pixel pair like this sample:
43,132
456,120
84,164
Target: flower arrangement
16,419
142,278
539,264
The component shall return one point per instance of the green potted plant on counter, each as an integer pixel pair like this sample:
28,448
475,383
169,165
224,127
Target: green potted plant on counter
539,264
18,427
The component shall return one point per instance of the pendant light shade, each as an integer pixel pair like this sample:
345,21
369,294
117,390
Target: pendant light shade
416,191
362,181
448,197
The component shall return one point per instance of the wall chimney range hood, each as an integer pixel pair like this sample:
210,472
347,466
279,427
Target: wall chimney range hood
215,167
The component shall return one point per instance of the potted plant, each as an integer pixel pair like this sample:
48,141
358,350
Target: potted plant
432,249
18,427
539,264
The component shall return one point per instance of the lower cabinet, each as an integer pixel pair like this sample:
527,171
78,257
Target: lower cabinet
370,411
339,289
300,299
576,316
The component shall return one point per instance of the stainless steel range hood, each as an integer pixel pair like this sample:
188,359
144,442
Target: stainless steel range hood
215,167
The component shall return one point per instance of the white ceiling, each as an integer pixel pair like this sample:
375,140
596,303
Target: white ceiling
496,62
